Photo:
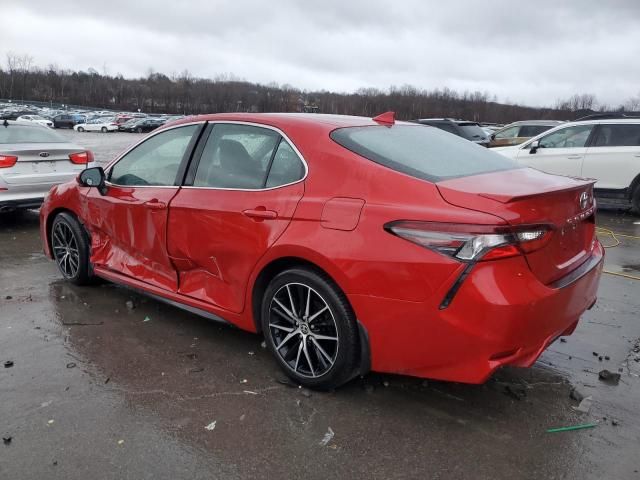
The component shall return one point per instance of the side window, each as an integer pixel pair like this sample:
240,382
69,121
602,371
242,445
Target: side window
618,135
532,130
236,156
154,162
511,132
446,127
569,137
286,167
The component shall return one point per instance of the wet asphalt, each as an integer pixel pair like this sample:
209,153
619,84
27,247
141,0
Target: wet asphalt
101,390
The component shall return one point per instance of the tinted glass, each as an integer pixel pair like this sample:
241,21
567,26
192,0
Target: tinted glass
472,131
286,167
532,130
510,132
155,161
447,127
569,137
236,156
16,133
422,152
618,135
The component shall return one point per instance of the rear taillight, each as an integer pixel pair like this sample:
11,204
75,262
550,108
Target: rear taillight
7,161
471,243
81,158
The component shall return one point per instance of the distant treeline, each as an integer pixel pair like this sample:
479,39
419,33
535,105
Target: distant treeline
182,93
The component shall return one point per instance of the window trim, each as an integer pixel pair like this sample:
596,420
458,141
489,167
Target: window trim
195,160
185,158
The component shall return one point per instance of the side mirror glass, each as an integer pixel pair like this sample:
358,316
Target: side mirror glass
493,136
533,148
93,177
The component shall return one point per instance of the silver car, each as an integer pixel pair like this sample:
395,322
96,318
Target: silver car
34,158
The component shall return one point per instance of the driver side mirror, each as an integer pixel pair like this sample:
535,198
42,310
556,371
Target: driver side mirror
534,146
493,136
93,177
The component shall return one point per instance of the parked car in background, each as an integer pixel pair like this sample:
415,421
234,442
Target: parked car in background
517,132
462,128
142,125
35,119
68,120
430,257
13,114
605,149
33,158
103,125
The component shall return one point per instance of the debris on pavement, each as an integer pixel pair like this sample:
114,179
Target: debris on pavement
211,426
8,364
252,353
147,319
120,442
516,392
609,377
7,440
130,305
572,427
585,405
263,344
577,394
51,422
327,437
71,365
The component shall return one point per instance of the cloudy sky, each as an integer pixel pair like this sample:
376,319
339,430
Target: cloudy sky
521,51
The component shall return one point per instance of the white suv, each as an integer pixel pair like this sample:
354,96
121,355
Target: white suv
605,149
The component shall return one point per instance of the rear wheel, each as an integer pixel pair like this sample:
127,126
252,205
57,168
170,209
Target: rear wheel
70,247
80,129
139,130
635,201
310,328
104,129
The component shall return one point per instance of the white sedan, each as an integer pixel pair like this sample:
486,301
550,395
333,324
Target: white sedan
103,125
35,119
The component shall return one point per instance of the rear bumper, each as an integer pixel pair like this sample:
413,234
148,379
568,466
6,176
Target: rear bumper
501,315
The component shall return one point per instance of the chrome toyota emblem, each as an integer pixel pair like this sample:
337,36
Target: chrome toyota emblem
584,200
44,154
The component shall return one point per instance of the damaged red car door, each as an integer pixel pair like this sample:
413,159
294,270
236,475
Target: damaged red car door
128,224
240,194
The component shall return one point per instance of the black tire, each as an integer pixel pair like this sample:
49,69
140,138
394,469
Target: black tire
104,130
81,129
139,130
635,201
66,228
329,363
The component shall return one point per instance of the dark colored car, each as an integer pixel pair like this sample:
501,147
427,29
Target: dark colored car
14,114
425,255
142,126
67,120
462,128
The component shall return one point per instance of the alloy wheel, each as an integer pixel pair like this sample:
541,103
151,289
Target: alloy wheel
303,330
65,249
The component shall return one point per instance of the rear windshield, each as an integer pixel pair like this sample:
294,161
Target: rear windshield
472,131
15,133
420,151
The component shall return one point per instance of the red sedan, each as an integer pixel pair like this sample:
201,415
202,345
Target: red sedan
351,244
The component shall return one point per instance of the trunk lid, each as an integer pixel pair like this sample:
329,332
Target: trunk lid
527,196
40,163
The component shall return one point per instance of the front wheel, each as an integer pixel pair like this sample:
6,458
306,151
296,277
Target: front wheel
310,328
139,130
104,129
70,248
80,129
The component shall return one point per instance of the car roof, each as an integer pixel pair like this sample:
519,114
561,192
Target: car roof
284,121
534,122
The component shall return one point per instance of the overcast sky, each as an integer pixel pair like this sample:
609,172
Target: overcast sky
530,52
